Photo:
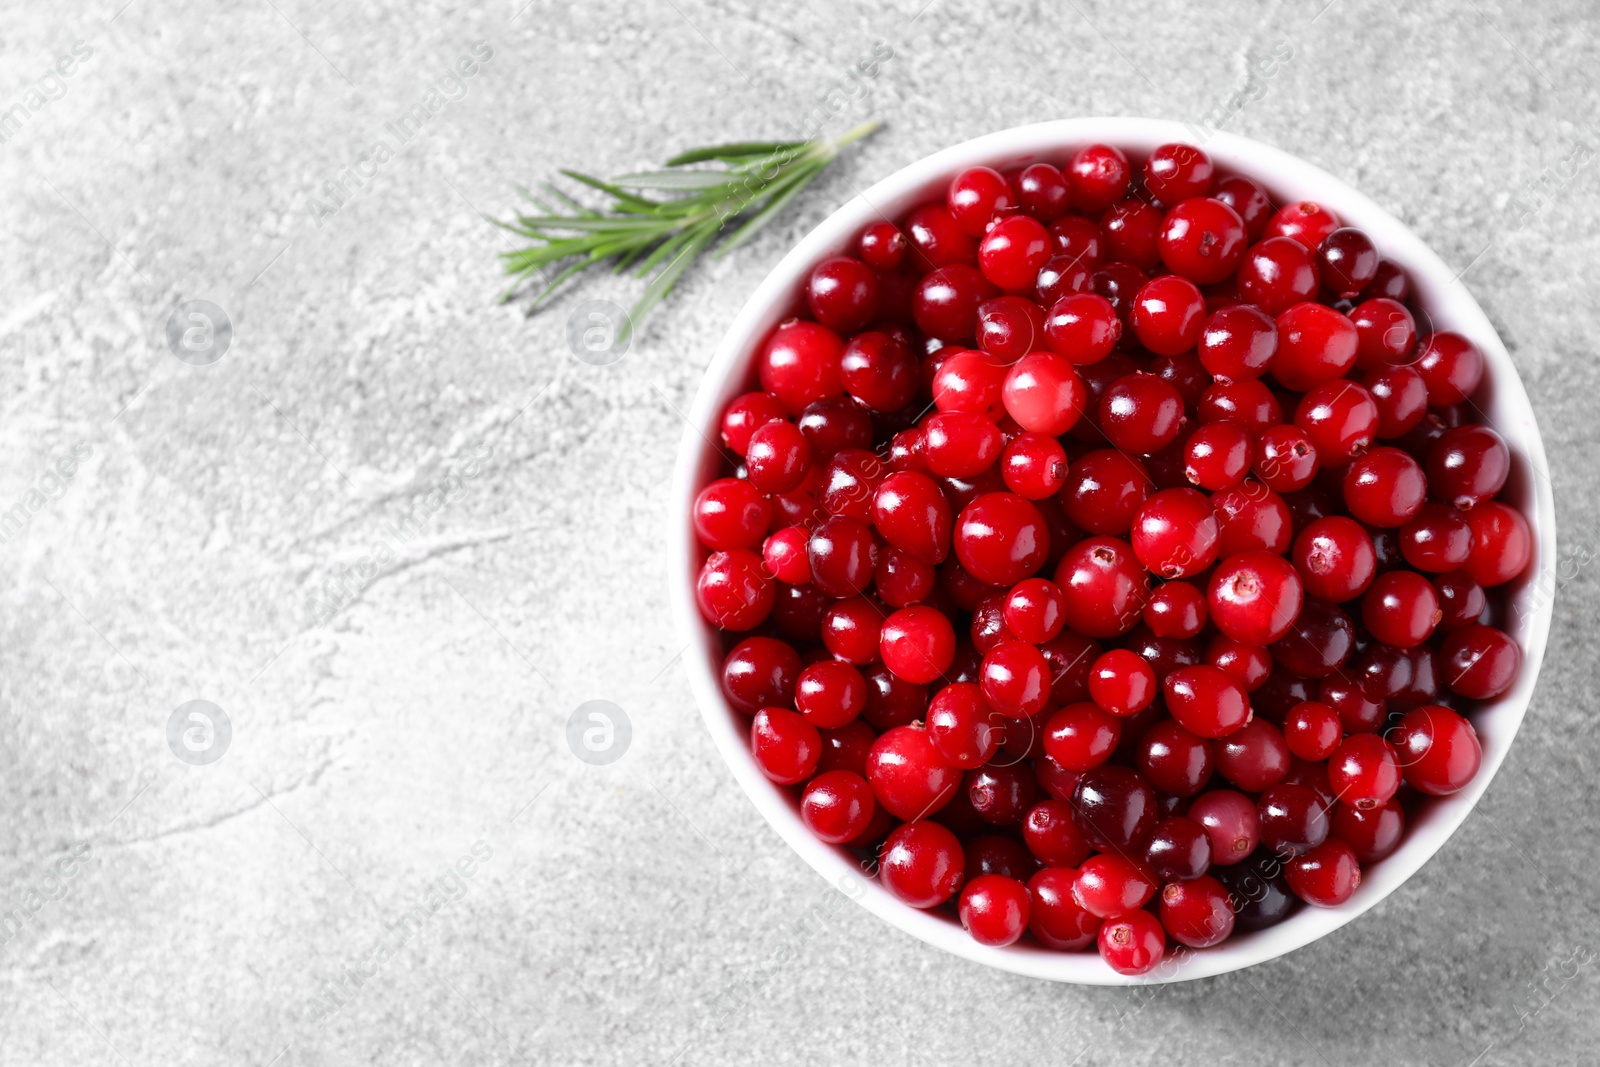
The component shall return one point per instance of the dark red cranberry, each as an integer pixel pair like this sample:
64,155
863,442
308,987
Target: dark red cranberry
1055,918
1099,176
1277,274
1347,262
1104,490
842,293
1468,465
1321,641
1230,820
1451,366
1114,807
1009,327
937,239
1502,544
1371,834
1103,586
883,246
1042,191
1325,876
947,300
1385,487
1293,819
1132,229
1480,662
1175,172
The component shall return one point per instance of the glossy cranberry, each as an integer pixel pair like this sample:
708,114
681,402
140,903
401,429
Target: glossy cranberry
1133,943
1034,466
1284,458
1253,757
1439,539
849,483
908,775
1052,836
883,246
1055,918
1084,327
1385,487
1382,671
1468,465
784,745
1501,544
1249,665
1203,240
1237,343
842,293
1175,609
1316,344
921,863
977,196
1175,533
1390,283
1217,456
1321,641
744,415
800,363
1341,418
959,444
798,611
988,626
1140,413
1118,282
837,806
1363,771
1438,750
1292,818
1206,701
1385,332
1034,610
1132,229
1248,200
917,643
969,381
1277,274
1103,585
1168,315
734,590
1462,601
1257,891
1372,834
785,555
846,748
1109,885
1479,662
1401,609
994,909
1042,191
1063,274
1311,730
1176,172
1175,761
778,457
901,580
892,701
1179,849
1122,683
850,630
1114,807
1099,175
842,553
1325,876
1306,222
1001,794
913,514
1358,713
1081,736
1001,538
1451,366
1347,262
1012,253
1104,490
1335,559
760,671
937,239
1230,821
946,302
1082,244
830,694
1251,517
1197,913
1043,392
731,513
1254,597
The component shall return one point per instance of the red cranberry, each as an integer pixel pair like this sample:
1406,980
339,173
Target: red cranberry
883,246
1249,665
1249,201
1175,172
1084,327
784,745
1335,558
778,458
1001,538
730,513
1312,730
1052,836
1114,807
1034,466
800,363
744,415
946,302
1133,943
1217,456
1347,262
1015,678
734,591
994,909
1341,419
1371,834
1055,918
1044,394
921,863
1080,737
917,643
1254,597
1501,544
1140,413
937,239
1438,750
837,806
908,775
1103,586
912,513
842,294
1203,239
1325,876
977,196
851,630
1175,533
1042,191
1385,332
760,671
1293,819
1132,229
1179,849
1306,222
1385,487
842,553
1062,275
1104,490
1254,756
1451,366
1109,885
1316,344
1230,820
1122,683
1099,175
1468,465
1035,610
1012,253
1480,662
900,579
1401,609
1285,459
1277,274
1205,701
1197,913
1168,315
1363,771
1177,762
1175,609
958,444
1462,600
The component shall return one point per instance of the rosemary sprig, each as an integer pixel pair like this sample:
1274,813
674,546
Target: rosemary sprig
645,231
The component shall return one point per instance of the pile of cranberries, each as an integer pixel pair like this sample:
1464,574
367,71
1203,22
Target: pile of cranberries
1107,558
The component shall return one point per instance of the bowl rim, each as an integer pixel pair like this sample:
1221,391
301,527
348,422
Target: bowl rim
1449,305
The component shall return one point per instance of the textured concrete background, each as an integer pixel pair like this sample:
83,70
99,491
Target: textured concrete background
487,512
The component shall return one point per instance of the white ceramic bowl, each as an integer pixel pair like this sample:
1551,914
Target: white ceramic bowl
1286,179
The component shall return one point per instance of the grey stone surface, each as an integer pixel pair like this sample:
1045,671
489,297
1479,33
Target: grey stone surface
492,510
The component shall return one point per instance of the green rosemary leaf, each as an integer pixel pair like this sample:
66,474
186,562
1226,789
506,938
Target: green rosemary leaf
746,183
